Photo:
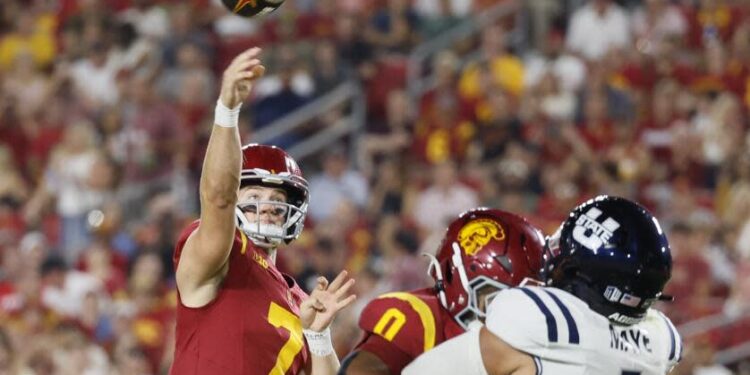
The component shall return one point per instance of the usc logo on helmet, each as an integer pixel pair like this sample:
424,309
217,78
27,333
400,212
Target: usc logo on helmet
478,233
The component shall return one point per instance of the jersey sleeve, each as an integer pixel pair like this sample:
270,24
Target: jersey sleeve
517,319
403,320
391,355
538,322
673,341
184,235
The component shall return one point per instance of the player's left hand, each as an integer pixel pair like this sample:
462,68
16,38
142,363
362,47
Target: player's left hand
325,301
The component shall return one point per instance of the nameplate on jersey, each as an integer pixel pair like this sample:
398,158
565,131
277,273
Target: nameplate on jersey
631,340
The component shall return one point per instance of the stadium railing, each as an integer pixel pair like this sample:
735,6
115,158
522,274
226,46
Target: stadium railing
420,79
351,95
717,324
348,94
733,354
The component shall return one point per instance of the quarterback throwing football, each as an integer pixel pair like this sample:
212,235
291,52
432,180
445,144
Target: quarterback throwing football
237,314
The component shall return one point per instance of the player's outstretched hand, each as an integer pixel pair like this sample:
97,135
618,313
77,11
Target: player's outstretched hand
239,76
325,301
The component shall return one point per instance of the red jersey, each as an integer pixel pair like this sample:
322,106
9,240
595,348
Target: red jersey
252,327
400,326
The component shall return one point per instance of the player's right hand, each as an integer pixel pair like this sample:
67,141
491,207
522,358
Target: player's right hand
238,77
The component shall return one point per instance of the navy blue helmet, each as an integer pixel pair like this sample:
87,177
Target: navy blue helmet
611,253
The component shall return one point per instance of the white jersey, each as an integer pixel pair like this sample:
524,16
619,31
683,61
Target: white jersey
566,337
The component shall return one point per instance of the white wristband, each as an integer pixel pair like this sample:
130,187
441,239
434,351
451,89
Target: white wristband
225,117
319,342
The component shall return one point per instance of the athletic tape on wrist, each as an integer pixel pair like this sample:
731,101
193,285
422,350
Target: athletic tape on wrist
226,117
319,342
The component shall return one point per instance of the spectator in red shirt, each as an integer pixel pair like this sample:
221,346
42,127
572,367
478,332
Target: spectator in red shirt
597,129
691,274
711,20
443,134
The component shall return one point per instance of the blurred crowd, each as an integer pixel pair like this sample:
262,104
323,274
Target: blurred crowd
106,107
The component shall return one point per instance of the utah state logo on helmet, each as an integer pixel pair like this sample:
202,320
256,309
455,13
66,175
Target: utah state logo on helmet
611,253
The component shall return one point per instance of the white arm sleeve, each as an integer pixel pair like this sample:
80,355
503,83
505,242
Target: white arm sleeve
459,355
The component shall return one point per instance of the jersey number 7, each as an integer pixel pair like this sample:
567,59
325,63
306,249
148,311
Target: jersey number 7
280,317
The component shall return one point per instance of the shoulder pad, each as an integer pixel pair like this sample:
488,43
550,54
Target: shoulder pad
532,318
403,319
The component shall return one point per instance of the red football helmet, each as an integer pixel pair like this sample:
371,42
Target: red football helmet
483,252
270,166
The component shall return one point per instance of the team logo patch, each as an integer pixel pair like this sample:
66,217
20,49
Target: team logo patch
591,233
478,233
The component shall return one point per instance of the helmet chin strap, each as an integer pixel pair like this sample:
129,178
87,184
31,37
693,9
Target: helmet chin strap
459,263
435,266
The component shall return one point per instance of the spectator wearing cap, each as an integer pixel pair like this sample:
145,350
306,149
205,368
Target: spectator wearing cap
337,183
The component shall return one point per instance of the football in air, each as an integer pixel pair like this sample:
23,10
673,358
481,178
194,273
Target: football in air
250,8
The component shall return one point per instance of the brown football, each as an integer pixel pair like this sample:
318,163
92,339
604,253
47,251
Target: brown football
250,8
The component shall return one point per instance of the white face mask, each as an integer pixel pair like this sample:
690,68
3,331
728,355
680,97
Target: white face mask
269,235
